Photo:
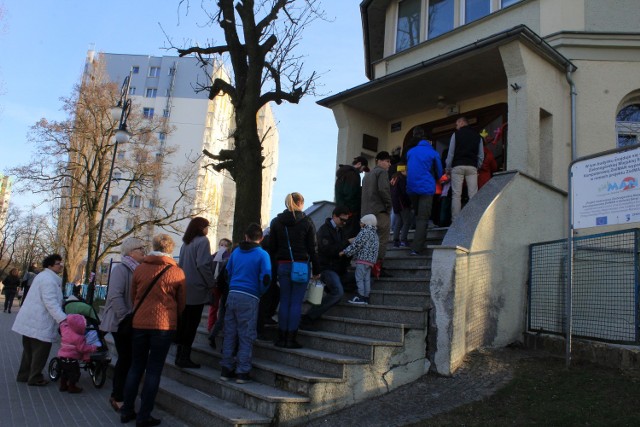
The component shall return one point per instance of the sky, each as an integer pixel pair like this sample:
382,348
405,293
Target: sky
44,45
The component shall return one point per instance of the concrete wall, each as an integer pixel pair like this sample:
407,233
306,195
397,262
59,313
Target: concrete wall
352,124
478,281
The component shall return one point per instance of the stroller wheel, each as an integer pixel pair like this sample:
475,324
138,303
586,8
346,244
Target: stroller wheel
54,369
99,374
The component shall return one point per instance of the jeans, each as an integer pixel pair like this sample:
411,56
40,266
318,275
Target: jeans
124,347
291,297
333,294
401,228
70,370
363,279
8,300
240,323
422,206
150,348
458,175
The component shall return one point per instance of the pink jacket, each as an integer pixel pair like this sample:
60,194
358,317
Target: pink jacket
74,345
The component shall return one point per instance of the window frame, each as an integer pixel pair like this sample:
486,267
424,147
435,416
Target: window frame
135,69
148,112
419,26
151,92
154,72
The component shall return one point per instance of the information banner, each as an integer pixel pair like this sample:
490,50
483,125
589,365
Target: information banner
605,190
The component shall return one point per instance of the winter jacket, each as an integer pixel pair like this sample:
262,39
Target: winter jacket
118,302
74,344
42,308
365,246
330,243
195,261
165,301
399,197
465,149
302,235
249,270
347,188
11,284
423,166
376,192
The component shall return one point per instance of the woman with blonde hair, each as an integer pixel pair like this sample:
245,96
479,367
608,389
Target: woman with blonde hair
292,239
158,293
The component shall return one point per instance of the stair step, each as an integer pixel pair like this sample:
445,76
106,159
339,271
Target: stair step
342,343
407,261
404,252
412,317
388,331
400,298
419,271
255,396
201,409
408,284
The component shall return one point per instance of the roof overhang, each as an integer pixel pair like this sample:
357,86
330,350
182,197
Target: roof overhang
463,73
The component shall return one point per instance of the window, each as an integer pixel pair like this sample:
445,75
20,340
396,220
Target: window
154,72
162,136
129,225
132,90
147,113
158,157
151,92
117,175
134,201
165,113
110,222
476,9
441,17
135,69
506,3
628,125
114,198
408,31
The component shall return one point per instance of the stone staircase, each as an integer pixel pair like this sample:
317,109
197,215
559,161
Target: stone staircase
358,352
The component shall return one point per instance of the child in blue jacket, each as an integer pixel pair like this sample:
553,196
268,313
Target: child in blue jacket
249,275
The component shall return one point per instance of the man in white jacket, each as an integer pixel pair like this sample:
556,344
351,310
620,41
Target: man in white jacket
38,319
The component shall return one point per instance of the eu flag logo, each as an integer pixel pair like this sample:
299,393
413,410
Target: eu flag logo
601,220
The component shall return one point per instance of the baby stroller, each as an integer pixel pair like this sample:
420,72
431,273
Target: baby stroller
99,361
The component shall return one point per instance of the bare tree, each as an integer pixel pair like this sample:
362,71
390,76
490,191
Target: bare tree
25,237
260,42
71,169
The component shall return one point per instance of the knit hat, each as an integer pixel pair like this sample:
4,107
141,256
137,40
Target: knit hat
369,219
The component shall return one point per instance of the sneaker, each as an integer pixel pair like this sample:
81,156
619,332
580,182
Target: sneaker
366,300
357,299
404,244
226,374
414,253
396,244
243,378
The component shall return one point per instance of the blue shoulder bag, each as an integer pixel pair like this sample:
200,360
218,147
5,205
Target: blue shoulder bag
299,270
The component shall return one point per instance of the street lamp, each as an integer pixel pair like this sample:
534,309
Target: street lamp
120,113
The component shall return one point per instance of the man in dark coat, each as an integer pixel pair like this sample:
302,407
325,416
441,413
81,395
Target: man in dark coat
331,241
348,191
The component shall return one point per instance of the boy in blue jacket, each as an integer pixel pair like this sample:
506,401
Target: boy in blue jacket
249,274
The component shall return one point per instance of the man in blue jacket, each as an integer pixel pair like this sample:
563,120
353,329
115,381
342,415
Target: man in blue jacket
249,273
424,168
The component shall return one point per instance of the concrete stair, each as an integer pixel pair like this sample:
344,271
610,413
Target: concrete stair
358,351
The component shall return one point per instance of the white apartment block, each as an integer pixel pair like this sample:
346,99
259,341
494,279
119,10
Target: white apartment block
164,86
5,195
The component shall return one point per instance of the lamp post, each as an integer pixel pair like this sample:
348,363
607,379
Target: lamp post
119,112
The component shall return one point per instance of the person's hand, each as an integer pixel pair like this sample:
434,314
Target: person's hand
351,240
341,253
315,277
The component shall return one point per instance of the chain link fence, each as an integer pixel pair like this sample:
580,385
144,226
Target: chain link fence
605,287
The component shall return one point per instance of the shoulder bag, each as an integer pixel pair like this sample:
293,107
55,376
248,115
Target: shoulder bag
299,270
126,324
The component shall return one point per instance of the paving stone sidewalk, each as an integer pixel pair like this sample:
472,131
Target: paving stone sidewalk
22,405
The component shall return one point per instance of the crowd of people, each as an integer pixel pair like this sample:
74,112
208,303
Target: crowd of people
154,301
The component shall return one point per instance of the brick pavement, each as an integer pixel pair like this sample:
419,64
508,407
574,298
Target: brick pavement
23,405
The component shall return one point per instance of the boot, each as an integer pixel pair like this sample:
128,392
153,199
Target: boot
178,354
72,388
282,339
291,340
64,386
185,359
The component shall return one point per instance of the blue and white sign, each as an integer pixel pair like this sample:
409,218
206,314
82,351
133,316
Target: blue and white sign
606,190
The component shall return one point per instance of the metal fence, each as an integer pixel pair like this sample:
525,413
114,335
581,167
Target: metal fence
604,292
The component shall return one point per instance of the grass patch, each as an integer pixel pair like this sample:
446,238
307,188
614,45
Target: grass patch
544,393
